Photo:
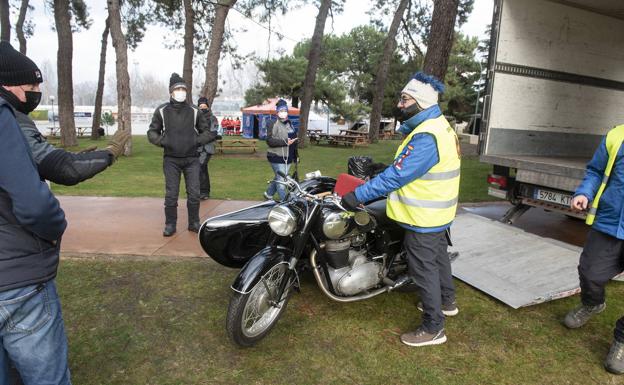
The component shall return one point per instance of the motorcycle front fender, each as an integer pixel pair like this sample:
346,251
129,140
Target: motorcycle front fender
258,265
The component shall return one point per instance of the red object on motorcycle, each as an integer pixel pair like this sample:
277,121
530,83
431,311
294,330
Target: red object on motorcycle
347,183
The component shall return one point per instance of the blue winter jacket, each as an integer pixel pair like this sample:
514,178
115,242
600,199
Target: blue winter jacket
412,167
31,219
609,218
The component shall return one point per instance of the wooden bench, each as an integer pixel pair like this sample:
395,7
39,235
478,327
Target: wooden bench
237,144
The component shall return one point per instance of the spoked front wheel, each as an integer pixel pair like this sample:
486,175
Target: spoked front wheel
251,316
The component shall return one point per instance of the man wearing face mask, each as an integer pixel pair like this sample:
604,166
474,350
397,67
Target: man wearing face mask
56,165
179,129
422,186
207,150
32,334
282,141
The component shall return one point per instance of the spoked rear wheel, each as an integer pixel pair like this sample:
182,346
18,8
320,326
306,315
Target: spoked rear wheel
251,316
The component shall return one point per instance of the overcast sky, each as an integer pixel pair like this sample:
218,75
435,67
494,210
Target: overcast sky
152,57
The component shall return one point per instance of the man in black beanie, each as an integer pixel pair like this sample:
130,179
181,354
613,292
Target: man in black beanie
179,129
32,333
207,150
56,165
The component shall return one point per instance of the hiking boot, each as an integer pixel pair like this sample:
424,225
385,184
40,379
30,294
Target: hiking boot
169,230
448,310
420,337
579,316
194,227
614,363
204,197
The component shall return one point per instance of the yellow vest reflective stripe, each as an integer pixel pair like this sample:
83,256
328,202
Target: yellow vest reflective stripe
431,200
615,137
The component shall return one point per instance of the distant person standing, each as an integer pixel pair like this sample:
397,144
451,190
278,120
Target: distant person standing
282,151
179,129
207,150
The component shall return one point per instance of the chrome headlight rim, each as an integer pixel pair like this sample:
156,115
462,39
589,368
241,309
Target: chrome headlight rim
282,220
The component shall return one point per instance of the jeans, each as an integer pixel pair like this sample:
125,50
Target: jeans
33,335
173,169
430,267
277,187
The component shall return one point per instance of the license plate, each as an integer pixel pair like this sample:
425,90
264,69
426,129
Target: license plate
553,197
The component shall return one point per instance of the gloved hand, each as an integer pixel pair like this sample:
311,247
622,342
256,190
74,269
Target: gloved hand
88,149
350,202
118,142
219,137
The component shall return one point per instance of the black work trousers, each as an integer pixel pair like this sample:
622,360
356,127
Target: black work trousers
204,177
602,259
430,267
173,169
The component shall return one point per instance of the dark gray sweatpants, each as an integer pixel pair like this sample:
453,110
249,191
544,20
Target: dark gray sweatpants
430,267
602,259
173,169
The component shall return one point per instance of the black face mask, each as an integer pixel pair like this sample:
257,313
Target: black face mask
403,114
32,101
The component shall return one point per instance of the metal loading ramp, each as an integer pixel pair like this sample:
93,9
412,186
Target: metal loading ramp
515,267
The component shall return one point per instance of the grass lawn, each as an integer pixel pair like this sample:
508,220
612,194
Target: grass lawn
163,323
244,176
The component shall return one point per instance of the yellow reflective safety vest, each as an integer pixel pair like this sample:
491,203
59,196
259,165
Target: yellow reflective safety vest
614,140
431,200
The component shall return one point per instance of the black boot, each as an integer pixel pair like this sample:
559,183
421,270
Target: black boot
171,218
169,230
193,217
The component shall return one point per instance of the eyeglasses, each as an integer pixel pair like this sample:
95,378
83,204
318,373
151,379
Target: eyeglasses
405,99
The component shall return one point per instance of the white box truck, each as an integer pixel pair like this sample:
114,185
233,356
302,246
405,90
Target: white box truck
555,86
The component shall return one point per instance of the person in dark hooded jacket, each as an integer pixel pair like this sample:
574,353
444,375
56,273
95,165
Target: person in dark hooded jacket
207,150
179,128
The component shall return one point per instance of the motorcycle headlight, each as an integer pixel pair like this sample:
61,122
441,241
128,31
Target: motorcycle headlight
282,220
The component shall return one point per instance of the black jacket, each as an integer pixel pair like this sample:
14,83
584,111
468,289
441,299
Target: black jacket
57,165
179,128
31,219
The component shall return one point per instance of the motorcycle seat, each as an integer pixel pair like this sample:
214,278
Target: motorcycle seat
378,210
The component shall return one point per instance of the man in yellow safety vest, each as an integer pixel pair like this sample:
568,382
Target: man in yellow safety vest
603,255
422,187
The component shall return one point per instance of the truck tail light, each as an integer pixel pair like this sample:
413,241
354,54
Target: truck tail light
500,181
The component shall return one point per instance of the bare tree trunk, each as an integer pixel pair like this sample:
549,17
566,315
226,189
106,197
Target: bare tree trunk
99,94
209,90
314,57
5,20
440,37
382,72
19,26
124,102
189,48
64,55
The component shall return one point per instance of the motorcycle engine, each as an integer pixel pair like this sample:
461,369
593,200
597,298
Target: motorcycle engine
350,270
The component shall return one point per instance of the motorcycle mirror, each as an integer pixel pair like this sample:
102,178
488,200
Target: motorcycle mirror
362,218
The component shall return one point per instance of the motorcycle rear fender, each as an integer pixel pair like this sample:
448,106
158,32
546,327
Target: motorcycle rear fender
258,265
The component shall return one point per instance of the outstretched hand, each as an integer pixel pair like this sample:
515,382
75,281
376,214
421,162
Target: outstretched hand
118,142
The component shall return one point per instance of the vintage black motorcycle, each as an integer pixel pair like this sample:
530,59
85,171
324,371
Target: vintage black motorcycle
353,256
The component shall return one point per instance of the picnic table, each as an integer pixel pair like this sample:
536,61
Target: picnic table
349,138
315,135
80,131
236,144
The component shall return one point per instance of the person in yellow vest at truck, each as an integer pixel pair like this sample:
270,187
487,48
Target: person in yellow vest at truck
422,186
603,255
